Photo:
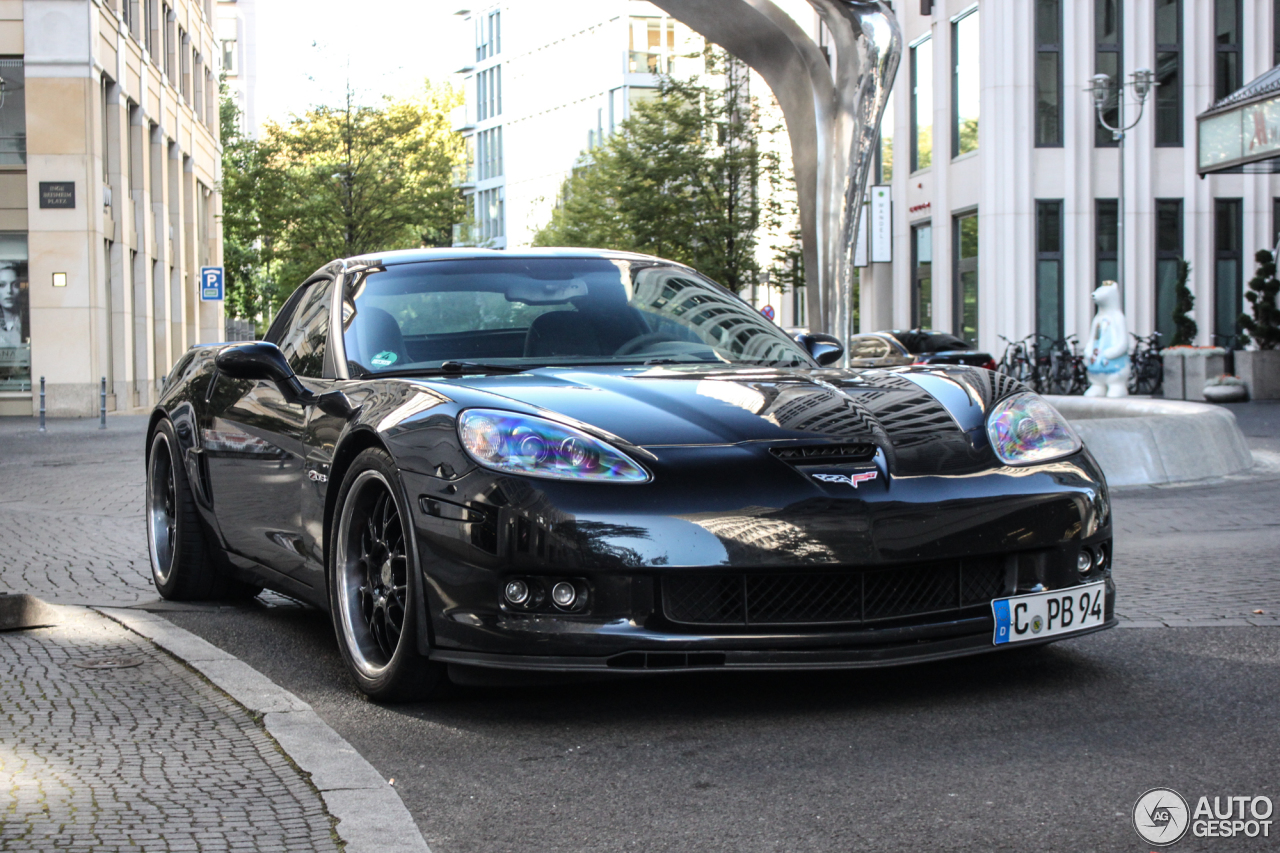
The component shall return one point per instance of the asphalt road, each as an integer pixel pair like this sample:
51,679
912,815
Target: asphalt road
1030,750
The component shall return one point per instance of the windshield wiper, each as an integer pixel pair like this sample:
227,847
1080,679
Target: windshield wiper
467,366
449,368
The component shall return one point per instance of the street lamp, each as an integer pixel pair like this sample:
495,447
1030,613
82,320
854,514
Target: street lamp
1142,81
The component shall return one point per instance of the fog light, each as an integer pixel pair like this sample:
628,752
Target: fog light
516,592
1084,562
563,594
1102,559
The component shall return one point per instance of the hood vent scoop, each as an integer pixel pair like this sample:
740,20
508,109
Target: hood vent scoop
825,454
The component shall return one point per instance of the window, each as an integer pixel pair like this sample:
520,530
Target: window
1227,298
1168,258
197,80
922,276
1226,32
489,93
13,112
1275,34
922,105
135,134
108,149
1106,223
489,154
229,64
303,340
884,151
15,323
1049,269
966,91
488,35
1048,26
1275,222
152,33
490,214
869,346
652,46
170,49
1168,94
966,276
1109,60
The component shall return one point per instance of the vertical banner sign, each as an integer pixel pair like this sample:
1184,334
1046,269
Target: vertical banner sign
881,226
860,246
211,284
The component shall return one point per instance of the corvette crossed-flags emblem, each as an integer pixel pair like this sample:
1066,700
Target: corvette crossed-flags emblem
850,479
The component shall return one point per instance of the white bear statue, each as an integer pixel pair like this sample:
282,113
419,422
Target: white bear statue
1107,356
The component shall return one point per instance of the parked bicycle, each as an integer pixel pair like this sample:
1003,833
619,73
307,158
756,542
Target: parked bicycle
1063,369
1018,360
1146,365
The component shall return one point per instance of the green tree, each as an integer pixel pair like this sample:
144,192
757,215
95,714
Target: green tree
1184,302
251,193
680,179
335,182
1263,328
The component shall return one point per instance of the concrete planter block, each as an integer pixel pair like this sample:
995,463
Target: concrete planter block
1174,376
1199,367
1260,371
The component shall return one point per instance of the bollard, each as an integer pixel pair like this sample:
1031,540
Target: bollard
42,429
102,405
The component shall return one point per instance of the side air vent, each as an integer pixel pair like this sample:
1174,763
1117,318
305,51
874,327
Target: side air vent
825,453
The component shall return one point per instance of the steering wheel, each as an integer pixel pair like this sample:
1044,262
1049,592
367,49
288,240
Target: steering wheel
642,341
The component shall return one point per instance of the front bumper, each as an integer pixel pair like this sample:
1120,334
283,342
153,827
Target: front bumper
705,658
1025,529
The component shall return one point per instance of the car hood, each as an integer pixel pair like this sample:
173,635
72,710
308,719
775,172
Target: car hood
909,412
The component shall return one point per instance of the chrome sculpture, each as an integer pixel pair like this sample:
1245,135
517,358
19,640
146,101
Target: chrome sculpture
832,104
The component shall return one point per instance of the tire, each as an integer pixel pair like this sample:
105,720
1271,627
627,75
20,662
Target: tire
184,567
375,585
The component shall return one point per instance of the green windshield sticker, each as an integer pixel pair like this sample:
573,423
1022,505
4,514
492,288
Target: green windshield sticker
384,359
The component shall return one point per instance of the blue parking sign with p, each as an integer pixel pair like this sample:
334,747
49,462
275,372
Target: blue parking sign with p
211,284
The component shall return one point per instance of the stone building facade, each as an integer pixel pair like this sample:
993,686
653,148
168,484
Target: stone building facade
109,155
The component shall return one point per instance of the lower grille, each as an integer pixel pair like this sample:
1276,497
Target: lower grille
824,598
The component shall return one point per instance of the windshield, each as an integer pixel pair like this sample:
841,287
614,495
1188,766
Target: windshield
534,312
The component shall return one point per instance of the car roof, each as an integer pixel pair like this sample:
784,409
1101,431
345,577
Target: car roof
409,256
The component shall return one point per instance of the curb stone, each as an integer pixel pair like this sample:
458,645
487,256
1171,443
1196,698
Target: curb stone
371,816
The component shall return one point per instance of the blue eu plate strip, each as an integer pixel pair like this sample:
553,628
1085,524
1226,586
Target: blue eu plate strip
1001,611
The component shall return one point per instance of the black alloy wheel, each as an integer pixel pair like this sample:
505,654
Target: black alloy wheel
373,585
184,566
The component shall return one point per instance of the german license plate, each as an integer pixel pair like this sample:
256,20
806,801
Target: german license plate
1046,614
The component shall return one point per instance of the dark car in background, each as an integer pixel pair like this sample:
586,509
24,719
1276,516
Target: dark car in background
586,461
914,346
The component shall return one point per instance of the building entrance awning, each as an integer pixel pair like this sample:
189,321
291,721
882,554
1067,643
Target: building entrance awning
1241,132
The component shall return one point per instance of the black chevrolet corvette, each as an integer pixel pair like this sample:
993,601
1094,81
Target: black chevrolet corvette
569,460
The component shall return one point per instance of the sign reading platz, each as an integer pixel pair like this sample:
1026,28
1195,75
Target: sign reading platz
211,284
57,194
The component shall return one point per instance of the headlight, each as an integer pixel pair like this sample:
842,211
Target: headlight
1025,429
536,447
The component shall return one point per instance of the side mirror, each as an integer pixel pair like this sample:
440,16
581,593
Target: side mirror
825,349
263,361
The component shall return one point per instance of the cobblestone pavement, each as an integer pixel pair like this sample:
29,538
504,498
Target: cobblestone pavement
148,757
71,508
